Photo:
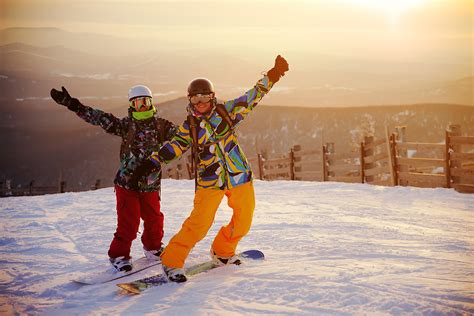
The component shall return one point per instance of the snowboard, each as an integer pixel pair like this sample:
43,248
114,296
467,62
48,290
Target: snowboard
100,277
138,286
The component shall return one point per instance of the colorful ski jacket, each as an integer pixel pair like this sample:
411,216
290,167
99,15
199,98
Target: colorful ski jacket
139,139
222,163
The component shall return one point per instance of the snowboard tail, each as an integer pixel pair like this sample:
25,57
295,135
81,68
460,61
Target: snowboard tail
107,276
138,286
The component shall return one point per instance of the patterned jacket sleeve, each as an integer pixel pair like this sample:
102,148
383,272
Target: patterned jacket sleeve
170,130
107,121
243,105
166,130
179,143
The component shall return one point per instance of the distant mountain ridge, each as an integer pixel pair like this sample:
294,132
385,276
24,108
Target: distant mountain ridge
52,36
104,65
45,140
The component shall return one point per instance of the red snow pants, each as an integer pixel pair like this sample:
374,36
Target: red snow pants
131,206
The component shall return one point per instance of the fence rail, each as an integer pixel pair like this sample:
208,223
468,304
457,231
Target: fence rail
389,161
32,189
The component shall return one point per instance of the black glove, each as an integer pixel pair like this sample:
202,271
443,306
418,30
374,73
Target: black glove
63,98
144,168
281,66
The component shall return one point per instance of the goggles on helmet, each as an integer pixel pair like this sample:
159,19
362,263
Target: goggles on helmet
201,98
140,102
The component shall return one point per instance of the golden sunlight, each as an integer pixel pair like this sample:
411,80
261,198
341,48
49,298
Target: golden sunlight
393,9
392,6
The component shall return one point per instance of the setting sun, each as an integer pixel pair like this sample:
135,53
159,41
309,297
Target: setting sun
391,8
388,5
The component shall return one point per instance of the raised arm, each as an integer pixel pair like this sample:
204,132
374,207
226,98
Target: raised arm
107,121
241,106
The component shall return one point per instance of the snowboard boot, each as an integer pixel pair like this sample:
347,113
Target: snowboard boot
219,261
153,255
175,274
121,264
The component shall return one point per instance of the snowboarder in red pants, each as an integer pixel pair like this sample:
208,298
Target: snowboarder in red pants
137,197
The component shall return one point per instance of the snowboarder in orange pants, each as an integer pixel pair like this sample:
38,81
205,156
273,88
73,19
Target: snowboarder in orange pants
221,168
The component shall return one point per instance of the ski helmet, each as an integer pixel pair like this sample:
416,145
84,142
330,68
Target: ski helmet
139,91
200,86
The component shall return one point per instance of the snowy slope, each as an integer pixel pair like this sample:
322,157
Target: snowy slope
331,248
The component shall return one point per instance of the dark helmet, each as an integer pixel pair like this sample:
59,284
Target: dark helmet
200,86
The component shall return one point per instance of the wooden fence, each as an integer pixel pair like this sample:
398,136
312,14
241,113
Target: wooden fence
420,164
33,189
377,161
459,164
309,165
341,167
389,161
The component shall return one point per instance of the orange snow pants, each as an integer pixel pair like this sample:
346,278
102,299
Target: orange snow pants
206,202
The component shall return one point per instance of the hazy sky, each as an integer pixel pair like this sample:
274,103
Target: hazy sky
383,29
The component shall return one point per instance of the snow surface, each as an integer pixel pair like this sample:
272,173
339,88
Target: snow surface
331,248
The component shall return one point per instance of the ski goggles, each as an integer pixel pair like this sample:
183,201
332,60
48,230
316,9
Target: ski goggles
201,98
141,102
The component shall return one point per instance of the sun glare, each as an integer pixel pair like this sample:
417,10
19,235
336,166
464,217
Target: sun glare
388,5
393,9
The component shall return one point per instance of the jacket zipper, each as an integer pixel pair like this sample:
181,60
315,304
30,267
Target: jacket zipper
220,149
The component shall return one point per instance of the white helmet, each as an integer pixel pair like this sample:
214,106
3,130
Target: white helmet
139,91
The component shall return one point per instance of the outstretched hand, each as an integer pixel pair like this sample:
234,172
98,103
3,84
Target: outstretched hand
61,97
281,65
64,98
278,70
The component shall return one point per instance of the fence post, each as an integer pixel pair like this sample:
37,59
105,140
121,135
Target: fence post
325,162
30,187
393,153
292,164
62,187
362,163
323,158
60,179
447,159
400,132
390,157
330,149
296,148
367,153
454,130
8,187
260,166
